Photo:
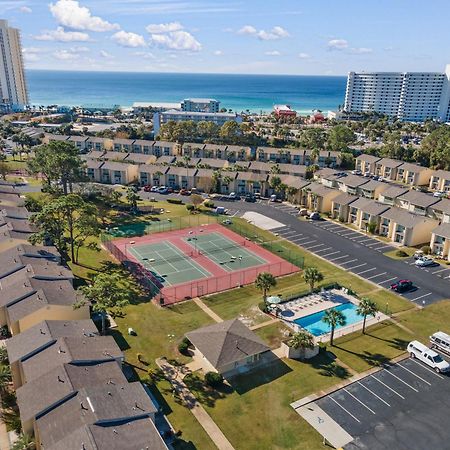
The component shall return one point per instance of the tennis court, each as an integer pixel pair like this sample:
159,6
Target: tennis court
168,264
228,254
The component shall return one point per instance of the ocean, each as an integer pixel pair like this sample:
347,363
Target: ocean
236,92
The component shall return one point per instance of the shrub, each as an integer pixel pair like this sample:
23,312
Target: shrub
426,249
263,307
371,227
213,379
175,201
190,207
183,346
401,254
208,204
341,219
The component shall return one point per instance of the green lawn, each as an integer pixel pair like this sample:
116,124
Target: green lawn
255,413
393,253
274,334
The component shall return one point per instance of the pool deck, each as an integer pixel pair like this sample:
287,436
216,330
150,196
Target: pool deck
310,304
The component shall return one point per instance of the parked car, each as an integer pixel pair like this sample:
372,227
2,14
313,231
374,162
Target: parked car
185,192
314,216
425,261
154,189
439,194
418,254
441,341
356,172
233,196
273,198
257,194
147,188
420,351
402,286
367,174
163,190
249,198
303,212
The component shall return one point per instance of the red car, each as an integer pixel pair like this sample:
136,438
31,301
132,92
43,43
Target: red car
147,188
185,192
402,285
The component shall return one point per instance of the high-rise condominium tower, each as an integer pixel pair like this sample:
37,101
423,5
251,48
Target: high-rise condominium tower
410,96
13,88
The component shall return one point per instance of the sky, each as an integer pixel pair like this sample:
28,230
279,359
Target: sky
297,37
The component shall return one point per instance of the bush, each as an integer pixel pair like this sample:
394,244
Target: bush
371,227
183,346
401,254
208,204
175,201
426,249
190,207
213,379
341,219
263,307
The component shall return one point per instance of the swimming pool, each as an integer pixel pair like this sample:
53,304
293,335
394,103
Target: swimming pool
313,323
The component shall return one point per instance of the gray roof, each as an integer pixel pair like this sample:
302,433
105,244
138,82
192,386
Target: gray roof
17,225
36,251
204,173
140,158
152,168
261,166
443,174
78,138
118,156
419,198
250,176
242,164
94,154
14,212
193,145
165,144
394,191
226,342
369,206
413,167
35,396
321,190
113,165
293,181
39,336
345,199
353,181
405,218
13,199
8,189
71,349
122,141
368,158
443,230
93,163
373,184
166,159
292,168
326,172
181,171
96,405
388,162
442,205
143,142
215,163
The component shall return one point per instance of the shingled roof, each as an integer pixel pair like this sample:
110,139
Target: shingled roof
226,342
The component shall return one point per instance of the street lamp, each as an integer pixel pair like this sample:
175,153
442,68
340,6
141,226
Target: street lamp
240,270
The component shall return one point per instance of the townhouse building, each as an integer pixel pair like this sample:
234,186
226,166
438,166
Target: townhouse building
440,181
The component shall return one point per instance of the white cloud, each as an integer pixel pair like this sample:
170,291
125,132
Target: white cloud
269,35
105,54
70,14
31,54
25,10
273,53
361,50
337,44
65,55
128,39
218,53
145,55
176,40
62,36
155,28
304,55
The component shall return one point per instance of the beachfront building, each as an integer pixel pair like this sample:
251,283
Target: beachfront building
218,118
209,105
408,96
284,111
13,87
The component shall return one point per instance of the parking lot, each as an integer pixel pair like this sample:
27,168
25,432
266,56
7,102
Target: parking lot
403,406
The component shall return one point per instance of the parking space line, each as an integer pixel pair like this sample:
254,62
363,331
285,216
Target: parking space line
300,239
399,379
422,296
347,233
329,254
314,246
439,271
389,279
340,257
346,410
355,267
358,400
309,242
373,393
377,275
352,260
375,243
425,367
323,249
385,385
365,271
412,373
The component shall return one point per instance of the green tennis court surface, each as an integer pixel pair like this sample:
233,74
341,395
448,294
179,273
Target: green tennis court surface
168,263
229,255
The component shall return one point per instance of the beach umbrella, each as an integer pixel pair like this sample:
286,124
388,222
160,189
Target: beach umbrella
273,299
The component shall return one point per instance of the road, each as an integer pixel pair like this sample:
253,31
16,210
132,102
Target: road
350,250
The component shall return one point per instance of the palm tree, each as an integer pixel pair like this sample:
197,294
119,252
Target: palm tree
333,317
3,356
264,282
24,442
302,340
366,308
312,276
5,377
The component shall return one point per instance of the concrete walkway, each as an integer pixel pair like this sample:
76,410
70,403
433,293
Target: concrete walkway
175,376
207,310
264,324
4,439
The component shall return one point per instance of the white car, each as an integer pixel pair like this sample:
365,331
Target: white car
439,194
424,262
417,350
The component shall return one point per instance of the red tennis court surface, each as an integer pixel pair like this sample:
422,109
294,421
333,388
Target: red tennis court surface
182,264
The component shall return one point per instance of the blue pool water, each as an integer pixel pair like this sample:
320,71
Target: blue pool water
313,323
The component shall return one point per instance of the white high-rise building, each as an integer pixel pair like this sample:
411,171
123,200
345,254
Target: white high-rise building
207,105
13,88
409,96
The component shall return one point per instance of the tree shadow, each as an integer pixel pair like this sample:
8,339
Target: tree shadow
265,374
373,359
120,339
326,365
399,344
205,394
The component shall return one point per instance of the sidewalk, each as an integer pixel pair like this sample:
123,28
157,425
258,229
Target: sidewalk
175,376
207,310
